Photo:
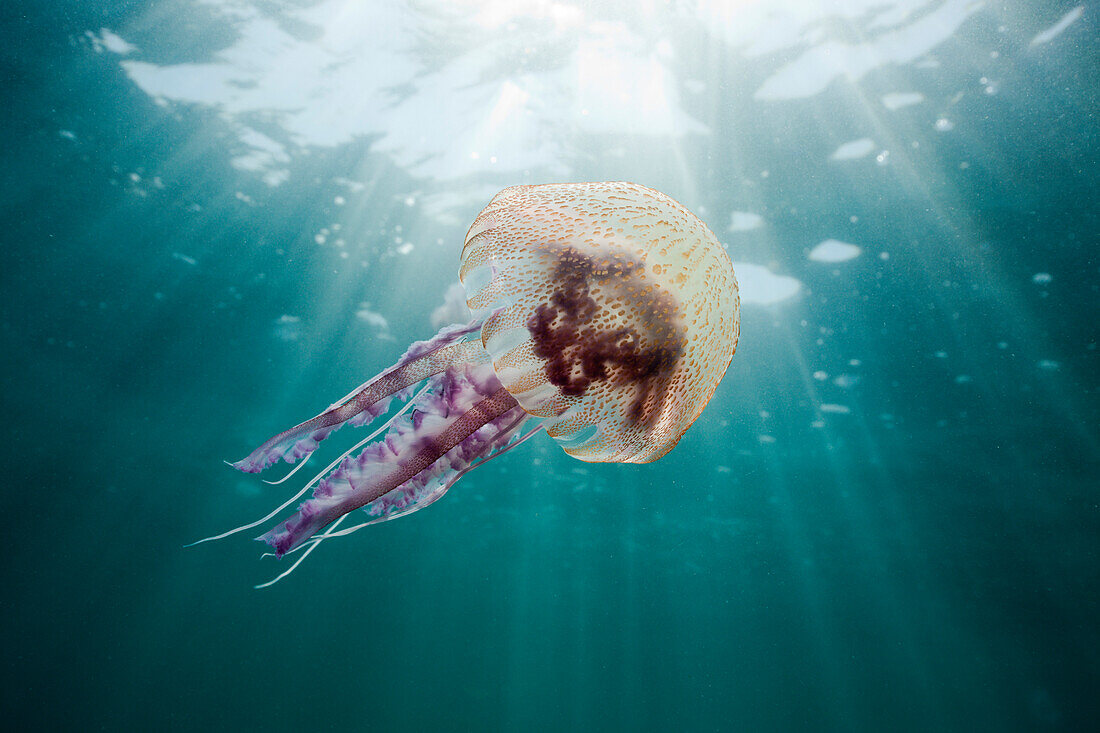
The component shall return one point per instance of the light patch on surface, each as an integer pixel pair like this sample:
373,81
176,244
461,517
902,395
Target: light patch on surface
513,87
813,71
372,318
1041,278
760,286
459,205
287,328
622,86
353,74
493,14
897,100
833,250
106,40
854,149
834,408
743,221
1056,30
454,308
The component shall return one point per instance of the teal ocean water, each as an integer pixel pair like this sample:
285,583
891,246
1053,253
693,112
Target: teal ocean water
220,217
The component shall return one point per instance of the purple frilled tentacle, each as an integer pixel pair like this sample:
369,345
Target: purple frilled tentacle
464,417
422,360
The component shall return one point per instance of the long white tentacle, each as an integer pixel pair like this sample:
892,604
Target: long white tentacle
316,478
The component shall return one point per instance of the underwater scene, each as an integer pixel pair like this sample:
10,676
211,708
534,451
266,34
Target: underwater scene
774,321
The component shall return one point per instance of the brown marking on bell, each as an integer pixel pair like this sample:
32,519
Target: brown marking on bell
571,332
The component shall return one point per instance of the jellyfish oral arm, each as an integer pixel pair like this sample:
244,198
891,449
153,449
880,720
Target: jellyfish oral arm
358,483
423,359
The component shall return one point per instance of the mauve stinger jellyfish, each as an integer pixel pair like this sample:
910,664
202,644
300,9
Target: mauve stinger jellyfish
605,315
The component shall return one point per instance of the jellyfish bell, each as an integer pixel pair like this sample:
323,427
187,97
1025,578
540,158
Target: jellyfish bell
613,312
605,315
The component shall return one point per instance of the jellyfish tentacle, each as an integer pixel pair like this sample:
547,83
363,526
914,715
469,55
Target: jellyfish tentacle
427,498
422,360
421,499
297,562
312,481
358,482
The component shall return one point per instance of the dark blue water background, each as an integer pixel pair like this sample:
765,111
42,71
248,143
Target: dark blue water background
886,519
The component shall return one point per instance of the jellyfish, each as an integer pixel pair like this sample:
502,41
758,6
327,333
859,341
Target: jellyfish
605,315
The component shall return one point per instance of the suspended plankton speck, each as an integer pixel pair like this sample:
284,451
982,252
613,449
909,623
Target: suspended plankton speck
1041,278
944,125
339,200
846,381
